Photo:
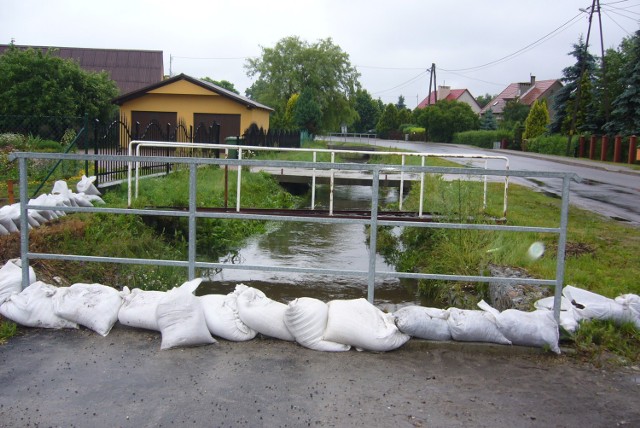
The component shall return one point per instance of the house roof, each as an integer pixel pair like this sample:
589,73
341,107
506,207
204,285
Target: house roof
249,103
527,93
130,69
453,95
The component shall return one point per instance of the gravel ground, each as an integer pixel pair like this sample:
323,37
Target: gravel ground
78,378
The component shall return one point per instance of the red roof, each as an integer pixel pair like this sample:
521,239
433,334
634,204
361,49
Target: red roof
527,92
454,94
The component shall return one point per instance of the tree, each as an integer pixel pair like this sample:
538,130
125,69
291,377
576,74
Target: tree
223,84
306,111
488,121
537,120
368,111
37,83
483,100
625,117
293,65
582,71
388,121
445,118
513,112
400,105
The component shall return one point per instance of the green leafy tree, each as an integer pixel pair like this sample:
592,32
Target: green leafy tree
388,121
513,112
483,100
368,111
537,121
488,121
306,111
400,105
223,84
293,65
445,118
625,117
37,83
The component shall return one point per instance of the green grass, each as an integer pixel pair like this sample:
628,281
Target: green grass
8,329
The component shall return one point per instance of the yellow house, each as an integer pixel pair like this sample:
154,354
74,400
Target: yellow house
192,102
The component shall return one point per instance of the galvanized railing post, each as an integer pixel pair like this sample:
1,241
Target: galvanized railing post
313,182
332,183
239,181
192,220
562,243
401,197
373,235
24,222
421,190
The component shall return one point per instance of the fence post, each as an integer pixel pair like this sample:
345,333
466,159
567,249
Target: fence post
581,147
632,149
617,149
10,195
603,148
592,147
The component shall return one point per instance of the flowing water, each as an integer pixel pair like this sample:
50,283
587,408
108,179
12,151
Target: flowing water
317,245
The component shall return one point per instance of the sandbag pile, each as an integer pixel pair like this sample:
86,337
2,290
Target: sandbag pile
184,319
60,196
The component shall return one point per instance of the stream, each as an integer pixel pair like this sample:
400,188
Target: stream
317,245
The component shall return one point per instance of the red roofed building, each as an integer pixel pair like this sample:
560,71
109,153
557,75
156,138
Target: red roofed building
446,93
526,93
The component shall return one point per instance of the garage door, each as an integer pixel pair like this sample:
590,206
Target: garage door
229,123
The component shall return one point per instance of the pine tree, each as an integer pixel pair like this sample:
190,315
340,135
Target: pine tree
537,121
488,121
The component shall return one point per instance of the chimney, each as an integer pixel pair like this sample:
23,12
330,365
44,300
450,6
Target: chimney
533,80
443,92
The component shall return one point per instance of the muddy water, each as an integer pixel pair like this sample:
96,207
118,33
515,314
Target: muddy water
315,245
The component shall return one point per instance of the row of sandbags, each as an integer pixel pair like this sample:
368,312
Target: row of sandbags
60,196
187,320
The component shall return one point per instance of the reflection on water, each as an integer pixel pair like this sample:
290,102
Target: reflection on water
317,245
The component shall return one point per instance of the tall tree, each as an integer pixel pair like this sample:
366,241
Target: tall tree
306,111
580,72
514,112
293,65
37,83
488,121
445,118
388,121
625,117
368,111
400,105
537,120
483,100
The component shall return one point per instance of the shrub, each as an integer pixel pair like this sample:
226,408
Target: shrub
484,139
550,145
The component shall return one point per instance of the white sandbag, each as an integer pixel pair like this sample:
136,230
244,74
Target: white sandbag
6,219
38,217
61,190
589,305
474,326
423,323
537,329
222,316
34,307
568,319
94,306
262,314
139,309
3,231
630,300
181,319
11,278
94,199
360,324
306,319
13,212
86,186
81,200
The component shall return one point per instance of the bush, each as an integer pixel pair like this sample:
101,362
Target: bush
484,139
550,145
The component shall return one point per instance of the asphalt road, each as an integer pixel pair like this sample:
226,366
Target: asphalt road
80,379
610,190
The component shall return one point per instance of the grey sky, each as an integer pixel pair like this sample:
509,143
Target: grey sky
392,43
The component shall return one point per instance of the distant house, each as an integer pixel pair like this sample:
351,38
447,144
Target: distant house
191,102
446,93
130,69
526,93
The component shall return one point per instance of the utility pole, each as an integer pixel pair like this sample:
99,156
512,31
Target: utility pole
572,128
605,97
432,80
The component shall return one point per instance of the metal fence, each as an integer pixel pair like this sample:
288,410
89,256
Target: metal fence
193,214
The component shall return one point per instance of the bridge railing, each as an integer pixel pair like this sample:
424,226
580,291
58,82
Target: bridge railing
136,146
193,214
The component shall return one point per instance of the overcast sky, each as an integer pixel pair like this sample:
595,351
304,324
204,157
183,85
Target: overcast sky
392,43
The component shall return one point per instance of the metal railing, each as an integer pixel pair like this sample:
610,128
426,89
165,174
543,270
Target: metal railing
136,146
376,170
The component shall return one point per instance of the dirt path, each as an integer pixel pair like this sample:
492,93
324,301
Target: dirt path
77,378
